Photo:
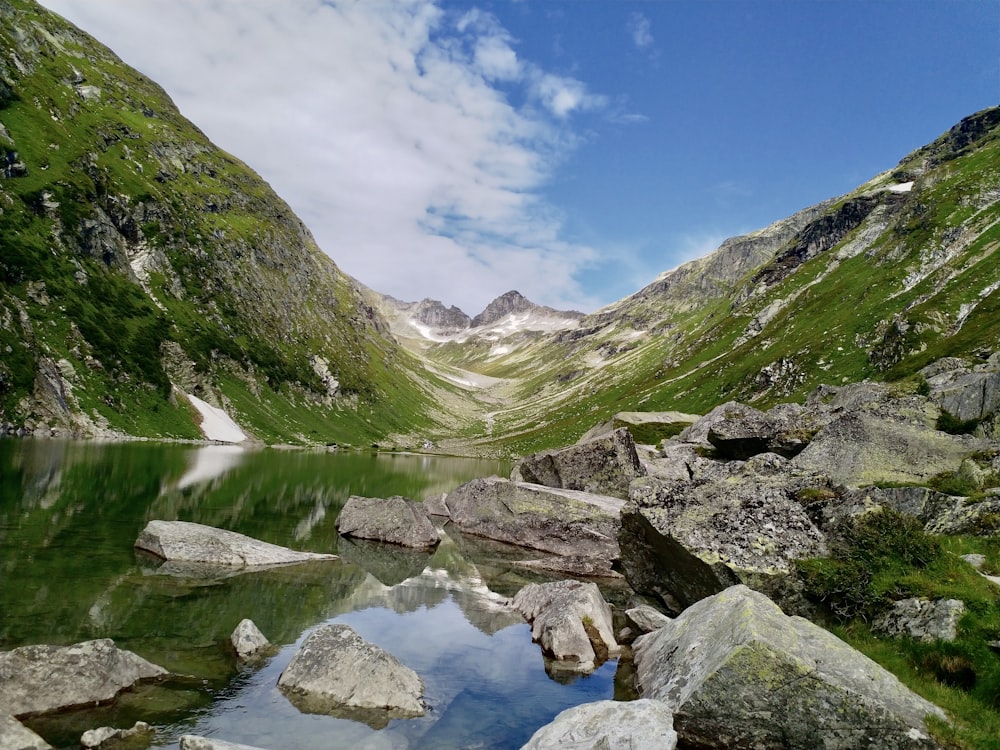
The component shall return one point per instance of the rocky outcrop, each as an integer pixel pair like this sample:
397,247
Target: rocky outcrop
395,520
922,620
969,394
184,541
570,620
337,672
15,736
604,465
683,541
563,522
39,679
247,640
608,725
737,672
140,734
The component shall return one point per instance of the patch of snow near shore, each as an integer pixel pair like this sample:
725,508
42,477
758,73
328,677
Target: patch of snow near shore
902,187
216,424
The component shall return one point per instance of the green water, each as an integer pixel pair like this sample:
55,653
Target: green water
70,512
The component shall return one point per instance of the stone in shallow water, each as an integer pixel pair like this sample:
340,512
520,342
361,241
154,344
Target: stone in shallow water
395,520
247,640
337,672
194,742
609,725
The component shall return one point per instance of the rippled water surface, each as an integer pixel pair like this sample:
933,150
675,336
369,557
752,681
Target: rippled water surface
70,512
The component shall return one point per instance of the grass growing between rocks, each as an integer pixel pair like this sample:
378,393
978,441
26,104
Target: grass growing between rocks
884,557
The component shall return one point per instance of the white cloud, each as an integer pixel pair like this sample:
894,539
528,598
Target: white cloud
640,29
383,125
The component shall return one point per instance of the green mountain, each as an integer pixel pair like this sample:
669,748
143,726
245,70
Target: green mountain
140,263
872,285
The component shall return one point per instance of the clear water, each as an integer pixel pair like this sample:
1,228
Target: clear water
70,512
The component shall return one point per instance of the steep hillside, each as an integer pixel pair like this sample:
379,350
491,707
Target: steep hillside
874,285
140,263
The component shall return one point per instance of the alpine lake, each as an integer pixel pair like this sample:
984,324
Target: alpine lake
70,513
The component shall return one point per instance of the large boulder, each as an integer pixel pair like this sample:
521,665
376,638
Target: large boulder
563,522
968,394
608,725
737,672
570,620
184,541
604,465
337,672
859,449
395,520
39,679
15,736
683,541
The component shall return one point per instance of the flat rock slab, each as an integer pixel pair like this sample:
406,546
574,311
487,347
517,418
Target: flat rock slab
337,672
15,736
193,542
737,672
563,522
609,725
39,679
395,520
194,742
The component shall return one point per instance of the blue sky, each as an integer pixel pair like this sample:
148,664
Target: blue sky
570,150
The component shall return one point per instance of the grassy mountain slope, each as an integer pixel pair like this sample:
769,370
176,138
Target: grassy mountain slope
136,256
873,285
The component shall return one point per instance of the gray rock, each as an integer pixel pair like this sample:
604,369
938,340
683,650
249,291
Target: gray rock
15,736
563,522
922,619
604,465
964,394
737,672
395,520
980,518
741,432
337,672
609,725
697,433
975,560
860,449
194,742
570,620
436,505
247,640
645,619
95,738
681,542
38,679
193,542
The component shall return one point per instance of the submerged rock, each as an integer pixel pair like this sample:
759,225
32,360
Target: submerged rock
604,465
737,672
609,725
563,522
193,542
395,520
38,679
570,620
141,734
337,672
194,742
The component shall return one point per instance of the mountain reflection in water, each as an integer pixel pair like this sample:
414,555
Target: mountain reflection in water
70,512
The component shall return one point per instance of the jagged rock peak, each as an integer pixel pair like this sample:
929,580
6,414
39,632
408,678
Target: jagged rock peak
512,302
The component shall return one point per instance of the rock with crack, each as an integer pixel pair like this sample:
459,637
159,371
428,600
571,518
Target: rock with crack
739,673
184,541
570,620
608,725
395,520
337,672
604,465
39,679
563,522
